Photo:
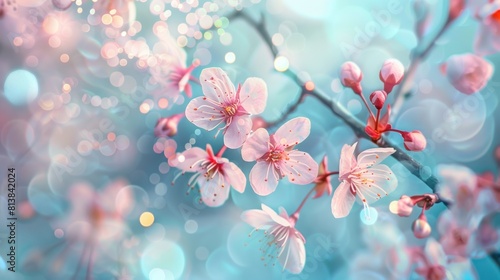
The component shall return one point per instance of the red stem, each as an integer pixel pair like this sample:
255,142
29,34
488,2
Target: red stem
221,151
295,214
376,120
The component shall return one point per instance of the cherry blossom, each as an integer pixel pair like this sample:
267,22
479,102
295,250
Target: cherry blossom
468,73
222,104
414,141
351,75
391,74
168,126
213,173
277,158
281,240
488,35
362,177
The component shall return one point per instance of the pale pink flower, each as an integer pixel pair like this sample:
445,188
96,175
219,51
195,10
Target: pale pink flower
171,70
350,76
168,126
458,185
214,174
468,73
414,141
282,241
222,104
488,35
276,157
391,74
454,236
364,178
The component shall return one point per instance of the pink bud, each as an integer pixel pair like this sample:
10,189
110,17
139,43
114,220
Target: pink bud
421,228
414,141
468,73
350,76
168,126
391,74
405,206
456,8
378,98
497,154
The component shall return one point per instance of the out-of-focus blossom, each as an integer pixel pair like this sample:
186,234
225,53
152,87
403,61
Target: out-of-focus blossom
454,236
323,181
214,174
458,185
488,36
258,122
222,104
364,178
435,265
281,240
414,141
350,76
420,227
391,74
468,73
170,70
456,9
403,207
378,98
168,126
277,158
375,130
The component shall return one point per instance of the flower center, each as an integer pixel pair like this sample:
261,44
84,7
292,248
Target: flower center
275,156
230,110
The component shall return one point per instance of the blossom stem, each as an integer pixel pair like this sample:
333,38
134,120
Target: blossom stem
290,109
295,214
397,130
376,120
221,151
367,107
331,173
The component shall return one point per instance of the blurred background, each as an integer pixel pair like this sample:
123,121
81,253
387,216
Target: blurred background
82,88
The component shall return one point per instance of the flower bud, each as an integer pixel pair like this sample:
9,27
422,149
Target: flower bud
378,98
168,126
468,73
414,141
350,76
391,74
421,228
456,9
405,206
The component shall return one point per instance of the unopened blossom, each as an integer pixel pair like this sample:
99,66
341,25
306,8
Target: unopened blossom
276,157
391,74
456,9
421,228
402,207
468,73
350,76
168,126
282,241
488,36
414,141
378,98
214,174
223,104
323,181
363,178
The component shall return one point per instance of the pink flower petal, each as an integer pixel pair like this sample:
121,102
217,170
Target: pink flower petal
257,218
347,160
253,95
435,253
216,85
256,145
300,168
264,178
373,156
274,216
293,257
382,181
342,200
238,131
214,192
189,157
204,114
234,176
293,131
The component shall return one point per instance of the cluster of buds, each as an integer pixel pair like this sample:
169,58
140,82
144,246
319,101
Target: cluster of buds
391,74
404,207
